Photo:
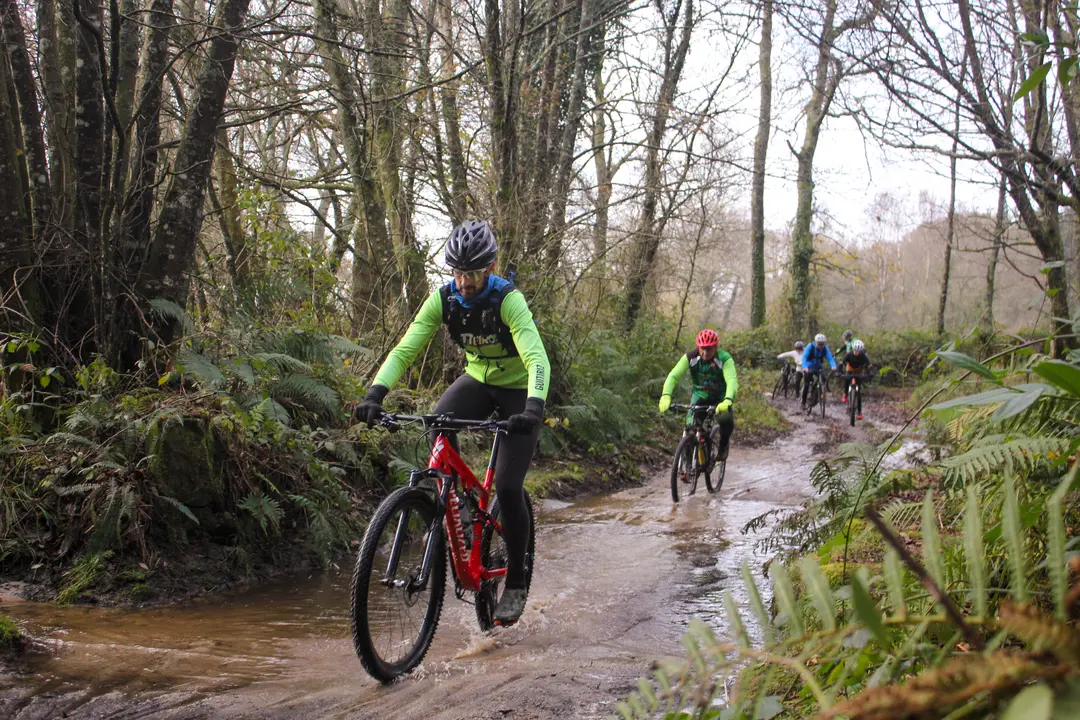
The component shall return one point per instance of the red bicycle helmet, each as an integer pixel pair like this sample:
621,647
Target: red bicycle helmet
707,338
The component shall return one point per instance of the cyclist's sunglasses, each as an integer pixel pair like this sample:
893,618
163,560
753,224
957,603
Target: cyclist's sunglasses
473,275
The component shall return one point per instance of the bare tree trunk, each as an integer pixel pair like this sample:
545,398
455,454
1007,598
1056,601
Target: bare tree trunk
459,183
690,274
231,225
757,191
173,251
828,73
30,115
501,85
385,36
646,241
370,241
601,155
565,163
56,40
731,302
86,275
20,304
950,227
998,241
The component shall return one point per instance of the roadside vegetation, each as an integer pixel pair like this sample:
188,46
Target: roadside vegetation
945,589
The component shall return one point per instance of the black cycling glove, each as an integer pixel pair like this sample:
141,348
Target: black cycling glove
526,421
371,409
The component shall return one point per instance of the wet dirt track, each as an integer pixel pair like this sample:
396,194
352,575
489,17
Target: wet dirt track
617,579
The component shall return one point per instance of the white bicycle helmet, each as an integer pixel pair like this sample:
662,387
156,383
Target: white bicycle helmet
820,339
858,346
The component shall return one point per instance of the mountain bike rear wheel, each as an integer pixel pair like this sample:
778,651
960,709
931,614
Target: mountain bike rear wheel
682,465
493,555
394,618
714,475
821,399
852,399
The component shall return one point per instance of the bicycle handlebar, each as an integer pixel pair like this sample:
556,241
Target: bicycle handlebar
394,421
680,406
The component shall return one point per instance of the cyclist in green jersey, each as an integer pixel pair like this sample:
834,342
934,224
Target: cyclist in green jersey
506,373
844,349
712,372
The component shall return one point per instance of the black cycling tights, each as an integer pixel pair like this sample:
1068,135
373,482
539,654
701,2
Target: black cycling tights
470,399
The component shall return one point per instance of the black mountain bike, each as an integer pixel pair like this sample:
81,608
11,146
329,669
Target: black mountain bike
696,453
854,397
786,382
816,397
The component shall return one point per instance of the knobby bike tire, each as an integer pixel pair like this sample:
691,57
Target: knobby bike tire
493,555
407,500
714,475
682,462
813,398
821,399
696,466
852,399
778,385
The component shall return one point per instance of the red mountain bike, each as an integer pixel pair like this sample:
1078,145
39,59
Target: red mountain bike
400,576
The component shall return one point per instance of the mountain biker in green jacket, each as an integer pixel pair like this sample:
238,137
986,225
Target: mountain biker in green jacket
506,373
712,373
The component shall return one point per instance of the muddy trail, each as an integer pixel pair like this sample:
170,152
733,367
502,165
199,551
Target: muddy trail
617,579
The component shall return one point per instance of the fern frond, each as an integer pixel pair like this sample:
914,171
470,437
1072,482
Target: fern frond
1055,544
345,346
1014,537
894,580
820,594
975,556
756,604
1041,632
201,368
307,391
785,598
996,454
932,541
184,509
167,309
281,362
955,682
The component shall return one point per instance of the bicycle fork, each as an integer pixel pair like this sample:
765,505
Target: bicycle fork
420,582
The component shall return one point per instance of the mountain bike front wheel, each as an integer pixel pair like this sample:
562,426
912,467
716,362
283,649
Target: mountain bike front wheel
682,466
493,555
852,398
393,613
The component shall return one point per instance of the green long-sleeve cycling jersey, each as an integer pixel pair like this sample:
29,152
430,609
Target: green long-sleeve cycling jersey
715,378
487,360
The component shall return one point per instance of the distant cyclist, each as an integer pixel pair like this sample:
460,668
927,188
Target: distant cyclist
856,364
844,349
795,356
815,354
712,374
506,373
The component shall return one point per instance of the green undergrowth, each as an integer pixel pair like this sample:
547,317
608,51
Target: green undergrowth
11,639
945,589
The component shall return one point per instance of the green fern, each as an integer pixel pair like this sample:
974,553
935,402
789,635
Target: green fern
307,391
266,511
201,368
997,454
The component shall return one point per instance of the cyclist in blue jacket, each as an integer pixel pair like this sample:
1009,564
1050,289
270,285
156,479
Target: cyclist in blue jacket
815,354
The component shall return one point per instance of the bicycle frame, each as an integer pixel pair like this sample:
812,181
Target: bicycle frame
446,468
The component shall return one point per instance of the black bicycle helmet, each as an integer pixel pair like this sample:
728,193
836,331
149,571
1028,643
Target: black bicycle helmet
471,246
